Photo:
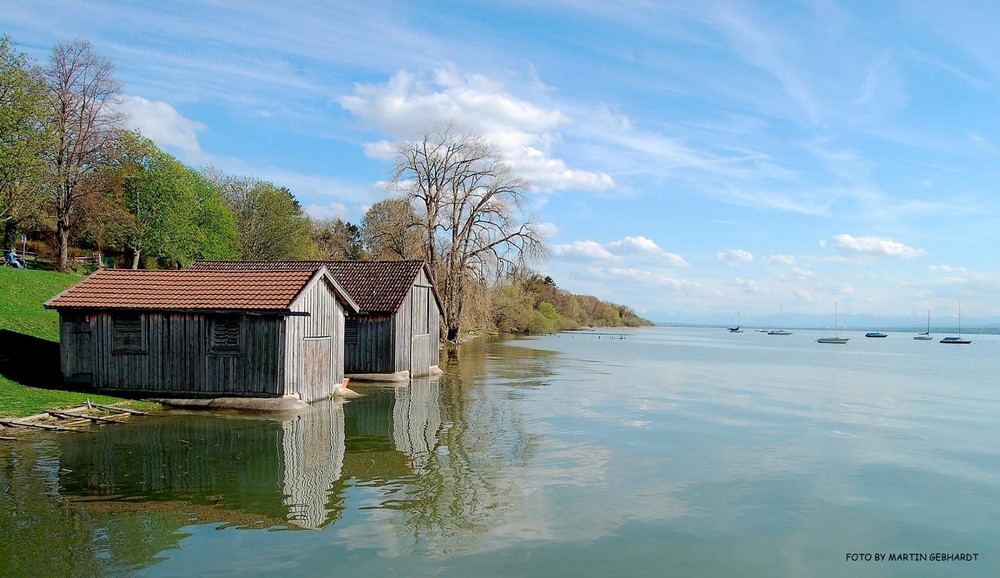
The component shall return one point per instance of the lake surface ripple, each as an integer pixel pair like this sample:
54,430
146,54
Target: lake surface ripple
653,452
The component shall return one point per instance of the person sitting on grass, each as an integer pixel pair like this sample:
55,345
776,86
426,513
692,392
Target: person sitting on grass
12,259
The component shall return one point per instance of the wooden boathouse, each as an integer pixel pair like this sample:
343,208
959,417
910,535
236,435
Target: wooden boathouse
198,334
395,335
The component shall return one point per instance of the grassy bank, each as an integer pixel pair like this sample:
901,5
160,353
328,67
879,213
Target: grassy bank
30,381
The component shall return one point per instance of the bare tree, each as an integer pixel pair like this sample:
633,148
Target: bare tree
471,208
390,230
84,120
337,240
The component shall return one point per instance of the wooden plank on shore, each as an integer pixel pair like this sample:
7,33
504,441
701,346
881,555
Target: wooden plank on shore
78,416
120,409
14,423
8,439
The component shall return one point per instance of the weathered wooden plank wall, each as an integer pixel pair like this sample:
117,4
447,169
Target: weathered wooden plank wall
325,320
175,355
433,321
372,349
76,353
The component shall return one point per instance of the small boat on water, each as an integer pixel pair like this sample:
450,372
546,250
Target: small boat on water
782,330
957,340
836,335
737,328
878,333
926,335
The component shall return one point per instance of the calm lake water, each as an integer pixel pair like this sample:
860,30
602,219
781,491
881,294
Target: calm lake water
670,452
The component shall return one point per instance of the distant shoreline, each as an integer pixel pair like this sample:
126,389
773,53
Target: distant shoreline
914,330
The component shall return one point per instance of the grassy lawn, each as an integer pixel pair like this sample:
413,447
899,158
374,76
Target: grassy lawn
30,381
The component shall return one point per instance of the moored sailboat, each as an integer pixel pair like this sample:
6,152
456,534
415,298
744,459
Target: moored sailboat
926,335
836,335
782,330
957,340
738,323
878,333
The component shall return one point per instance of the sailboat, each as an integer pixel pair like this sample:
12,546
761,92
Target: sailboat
926,335
737,328
782,330
877,333
957,340
836,336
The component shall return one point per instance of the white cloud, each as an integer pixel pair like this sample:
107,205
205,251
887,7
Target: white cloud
331,210
408,105
615,119
583,250
735,256
652,279
546,229
875,246
635,244
946,269
166,127
618,251
780,259
747,285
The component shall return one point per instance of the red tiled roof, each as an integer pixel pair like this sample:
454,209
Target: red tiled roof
376,286
209,290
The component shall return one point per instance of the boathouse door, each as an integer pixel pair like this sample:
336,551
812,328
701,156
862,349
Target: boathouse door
317,368
420,343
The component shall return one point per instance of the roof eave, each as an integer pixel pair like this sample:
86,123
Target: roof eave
202,310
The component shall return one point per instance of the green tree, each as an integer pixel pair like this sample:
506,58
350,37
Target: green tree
148,204
270,223
84,120
512,309
547,319
214,222
23,137
156,197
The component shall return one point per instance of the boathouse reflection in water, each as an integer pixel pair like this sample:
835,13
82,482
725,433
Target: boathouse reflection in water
256,471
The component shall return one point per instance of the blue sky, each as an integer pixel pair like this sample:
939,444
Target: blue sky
689,159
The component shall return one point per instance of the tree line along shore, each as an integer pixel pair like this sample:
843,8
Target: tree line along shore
79,190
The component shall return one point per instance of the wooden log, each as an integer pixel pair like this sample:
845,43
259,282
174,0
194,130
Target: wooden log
8,439
14,423
120,409
93,418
